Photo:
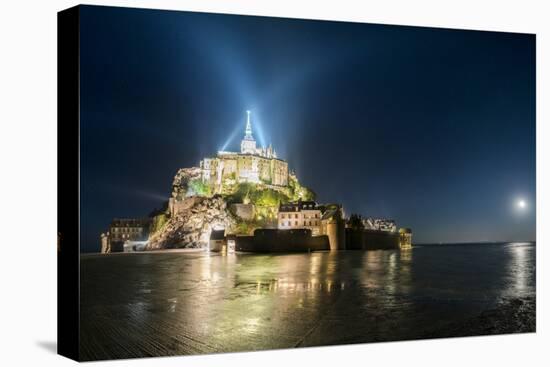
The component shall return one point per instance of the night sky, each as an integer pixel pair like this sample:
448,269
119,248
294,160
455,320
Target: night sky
434,128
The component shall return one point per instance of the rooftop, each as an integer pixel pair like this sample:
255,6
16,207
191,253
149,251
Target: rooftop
298,206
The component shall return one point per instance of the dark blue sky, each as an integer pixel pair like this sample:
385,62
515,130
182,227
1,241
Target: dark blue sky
432,127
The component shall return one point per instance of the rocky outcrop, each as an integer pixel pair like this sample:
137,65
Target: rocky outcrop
243,211
182,179
190,228
193,212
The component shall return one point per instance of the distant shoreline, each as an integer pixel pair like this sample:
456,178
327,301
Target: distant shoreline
193,250
472,243
162,251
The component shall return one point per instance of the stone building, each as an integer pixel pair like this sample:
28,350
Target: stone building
405,238
300,214
124,230
218,241
379,224
252,164
129,229
333,226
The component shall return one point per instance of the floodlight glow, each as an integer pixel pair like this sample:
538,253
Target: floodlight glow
236,131
259,130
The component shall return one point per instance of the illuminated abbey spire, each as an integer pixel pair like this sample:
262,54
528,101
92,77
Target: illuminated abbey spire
253,164
248,144
248,131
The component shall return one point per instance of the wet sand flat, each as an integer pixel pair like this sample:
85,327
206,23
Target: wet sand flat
177,303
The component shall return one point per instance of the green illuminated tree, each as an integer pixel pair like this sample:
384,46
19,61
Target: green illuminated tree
198,187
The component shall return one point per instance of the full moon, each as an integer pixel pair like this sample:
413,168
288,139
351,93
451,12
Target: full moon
522,204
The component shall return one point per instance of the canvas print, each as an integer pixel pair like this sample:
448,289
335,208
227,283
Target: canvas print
247,183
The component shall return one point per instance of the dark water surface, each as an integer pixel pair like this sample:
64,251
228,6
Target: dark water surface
154,304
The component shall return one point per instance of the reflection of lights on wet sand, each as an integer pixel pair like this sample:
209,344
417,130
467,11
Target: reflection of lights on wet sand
172,302
388,270
315,264
332,263
320,274
293,282
206,263
206,268
392,264
251,324
373,260
371,266
215,277
313,286
518,267
406,255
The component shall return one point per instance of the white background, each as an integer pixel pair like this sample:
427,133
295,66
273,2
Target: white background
28,182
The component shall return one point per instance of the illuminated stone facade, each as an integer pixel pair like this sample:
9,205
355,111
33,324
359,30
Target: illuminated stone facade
252,164
405,238
129,229
122,231
377,224
298,215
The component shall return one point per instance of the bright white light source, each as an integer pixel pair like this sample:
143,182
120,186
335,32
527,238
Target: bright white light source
522,204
